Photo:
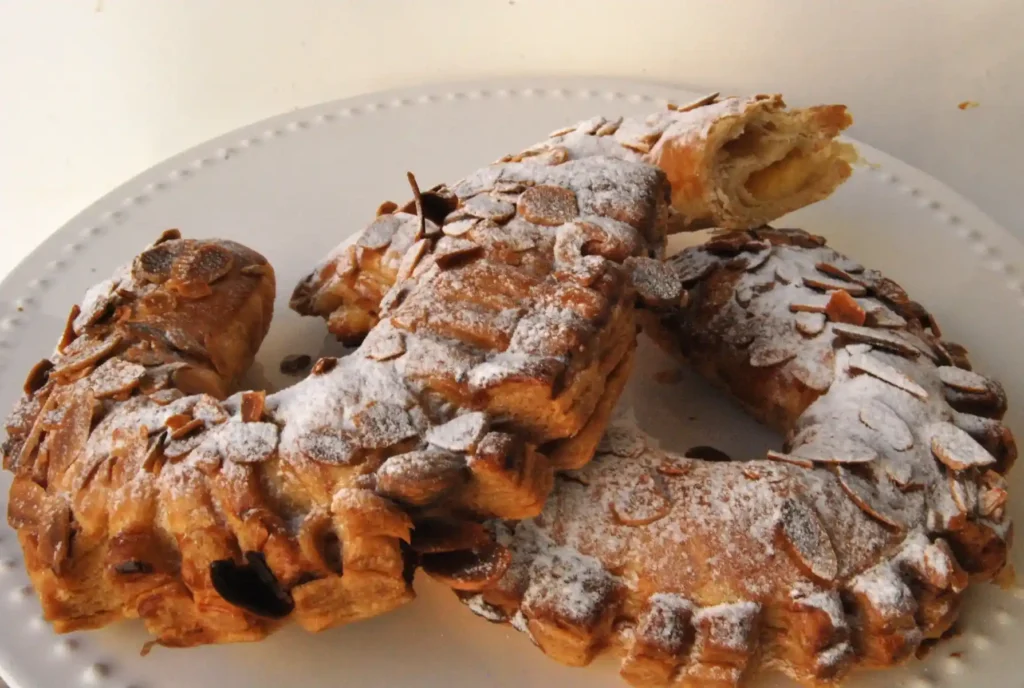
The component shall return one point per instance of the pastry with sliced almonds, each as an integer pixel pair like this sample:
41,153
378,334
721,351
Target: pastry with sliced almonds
850,548
731,162
142,490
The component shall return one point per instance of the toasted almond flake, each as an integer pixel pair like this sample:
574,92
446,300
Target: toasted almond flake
700,102
84,352
183,429
828,447
772,350
964,493
253,404
992,495
810,303
421,477
324,365
460,227
807,541
900,471
790,459
548,205
786,273
810,324
609,127
865,495
955,448
328,446
562,131
844,308
880,417
656,283
642,503
964,380
115,376
834,271
381,231
204,264
38,376
410,260
757,259
384,344
675,466
461,433
882,339
590,126
882,316
486,207
383,425
827,284
154,264
449,249
248,442
866,363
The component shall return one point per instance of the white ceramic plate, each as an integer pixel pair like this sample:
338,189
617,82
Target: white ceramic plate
294,186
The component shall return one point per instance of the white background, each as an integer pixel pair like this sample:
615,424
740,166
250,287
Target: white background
95,91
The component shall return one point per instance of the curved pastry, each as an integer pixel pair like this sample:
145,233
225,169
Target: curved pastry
501,354
849,548
736,163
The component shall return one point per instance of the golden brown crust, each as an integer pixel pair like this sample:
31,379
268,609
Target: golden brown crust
848,549
141,492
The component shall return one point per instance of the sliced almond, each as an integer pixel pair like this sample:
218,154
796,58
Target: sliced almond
421,477
882,316
963,380
992,495
180,430
843,308
807,542
609,127
693,265
866,363
675,466
378,235
900,471
84,352
865,495
964,493
829,447
553,155
955,448
328,446
202,263
786,273
693,105
154,264
68,335
382,425
450,249
248,442
642,503
324,365
115,376
656,283
880,417
549,206
815,373
253,405
789,458
881,339
827,284
460,227
834,271
810,324
810,303
767,351
38,376
410,260
461,433
384,344
486,207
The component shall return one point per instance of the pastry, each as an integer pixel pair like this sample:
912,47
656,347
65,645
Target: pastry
140,491
851,547
737,163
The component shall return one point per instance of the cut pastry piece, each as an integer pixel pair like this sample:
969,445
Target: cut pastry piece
848,550
140,491
734,163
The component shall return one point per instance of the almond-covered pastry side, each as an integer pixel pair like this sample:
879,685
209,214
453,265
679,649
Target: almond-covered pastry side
849,548
140,491
735,163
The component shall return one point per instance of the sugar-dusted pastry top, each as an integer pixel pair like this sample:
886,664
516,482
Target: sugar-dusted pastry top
736,162
849,548
501,349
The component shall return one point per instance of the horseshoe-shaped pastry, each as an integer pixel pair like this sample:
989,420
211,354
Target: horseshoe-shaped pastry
850,547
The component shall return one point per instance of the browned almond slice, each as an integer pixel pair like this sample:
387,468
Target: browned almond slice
486,207
816,373
752,260
656,283
844,308
828,447
955,448
773,350
807,542
964,493
834,271
675,466
790,459
449,250
563,131
68,335
609,127
209,410
410,260
115,376
964,380
383,425
548,205
247,442
622,441
154,264
328,446
992,495
786,273
421,477
693,265
181,429
693,105
379,234
469,570
642,503
883,339
253,404
866,363
826,284
901,472
83,352
880,417
461,433
460,227
204,264
882,316
810,324
810,303
384,344
38,376
865,495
